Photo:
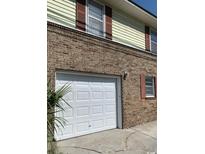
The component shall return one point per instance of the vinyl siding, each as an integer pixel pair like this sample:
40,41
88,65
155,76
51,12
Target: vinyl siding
62,12
125,30
128,31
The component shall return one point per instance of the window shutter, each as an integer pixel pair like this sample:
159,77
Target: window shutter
142,86
108,20
155,86
80,14
147,38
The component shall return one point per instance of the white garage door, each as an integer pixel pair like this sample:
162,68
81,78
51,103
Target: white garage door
93,101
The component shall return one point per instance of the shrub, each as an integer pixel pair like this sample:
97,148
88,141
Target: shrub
55,103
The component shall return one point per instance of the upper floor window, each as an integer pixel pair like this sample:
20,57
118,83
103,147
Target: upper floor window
153,35
95,18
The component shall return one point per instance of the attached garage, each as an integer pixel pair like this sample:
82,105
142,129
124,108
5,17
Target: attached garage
95,100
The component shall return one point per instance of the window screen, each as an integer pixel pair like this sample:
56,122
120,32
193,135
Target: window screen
95,18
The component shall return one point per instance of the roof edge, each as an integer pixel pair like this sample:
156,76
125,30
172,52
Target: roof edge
142,8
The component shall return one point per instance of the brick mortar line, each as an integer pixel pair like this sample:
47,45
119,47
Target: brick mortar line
125,52
89,40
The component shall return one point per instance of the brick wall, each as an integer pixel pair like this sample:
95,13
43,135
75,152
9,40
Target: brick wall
73,50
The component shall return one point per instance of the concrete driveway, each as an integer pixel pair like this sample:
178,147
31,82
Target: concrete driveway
137,140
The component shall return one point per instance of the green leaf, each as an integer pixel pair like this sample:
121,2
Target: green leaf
56,103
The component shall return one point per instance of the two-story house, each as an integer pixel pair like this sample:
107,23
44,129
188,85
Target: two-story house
106,50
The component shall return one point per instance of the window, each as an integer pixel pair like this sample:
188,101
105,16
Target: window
95,18
153,35
149,86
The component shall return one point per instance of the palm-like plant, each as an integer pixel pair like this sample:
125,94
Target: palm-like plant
55,103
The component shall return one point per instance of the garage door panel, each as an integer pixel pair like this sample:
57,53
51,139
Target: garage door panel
68,129
110,121
79,103
96,87
97,95
109,84
65,131
97,109
81,81
110,108
68,104
109,95
69,97
97,101
109,101
82,87
98,123
108,88
93,101
68,113
82,111
63,82
82,95
82,126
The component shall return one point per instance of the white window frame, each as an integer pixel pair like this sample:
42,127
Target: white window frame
153,86
87,18
150,38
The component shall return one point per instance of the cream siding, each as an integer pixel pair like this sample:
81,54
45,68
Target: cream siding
62,12
127,30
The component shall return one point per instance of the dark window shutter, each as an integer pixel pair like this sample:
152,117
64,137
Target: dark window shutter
147,38
155,86
108,21
142,86
80,14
